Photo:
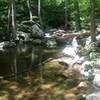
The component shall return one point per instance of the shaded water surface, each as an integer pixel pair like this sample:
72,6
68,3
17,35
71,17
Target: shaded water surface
22,58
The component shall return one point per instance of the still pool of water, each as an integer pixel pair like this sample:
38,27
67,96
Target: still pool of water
21,58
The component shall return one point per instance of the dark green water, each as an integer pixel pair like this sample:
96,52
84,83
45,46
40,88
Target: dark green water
22,58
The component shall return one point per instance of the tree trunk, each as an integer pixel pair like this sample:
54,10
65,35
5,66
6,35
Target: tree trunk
66,14
77,15
9,15
92,18
13,9
39,12
29,8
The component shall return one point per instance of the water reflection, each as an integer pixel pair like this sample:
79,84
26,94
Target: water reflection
19,59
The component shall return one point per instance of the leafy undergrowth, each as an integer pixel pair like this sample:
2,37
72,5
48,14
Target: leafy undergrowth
54,82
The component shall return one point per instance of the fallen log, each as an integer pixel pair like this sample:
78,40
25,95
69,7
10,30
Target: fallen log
78,35
69,36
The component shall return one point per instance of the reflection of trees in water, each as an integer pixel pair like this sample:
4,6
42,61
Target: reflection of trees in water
40,64
22,58
17,60
7,61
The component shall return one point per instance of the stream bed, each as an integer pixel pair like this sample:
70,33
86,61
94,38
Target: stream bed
44,79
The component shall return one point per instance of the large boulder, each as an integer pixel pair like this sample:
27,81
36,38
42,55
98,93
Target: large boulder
31,28
36,31
93,96
6,44
96,81
87,70
23,36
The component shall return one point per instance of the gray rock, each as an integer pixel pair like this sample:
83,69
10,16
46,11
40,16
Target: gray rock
93,96
96,81
51,43
73,49
88,41
37,41
87,70
23,36
82,85
94,55
36,31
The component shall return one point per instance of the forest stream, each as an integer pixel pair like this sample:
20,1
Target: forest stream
33,73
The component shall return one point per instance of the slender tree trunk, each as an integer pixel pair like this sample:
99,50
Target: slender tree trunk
13,9
9,15
39,12
77,15
29,8
15,67
92,18
40,65
66,14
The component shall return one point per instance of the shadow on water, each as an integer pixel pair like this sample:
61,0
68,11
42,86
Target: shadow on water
15,61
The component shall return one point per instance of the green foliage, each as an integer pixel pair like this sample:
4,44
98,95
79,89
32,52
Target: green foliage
52,12
53,17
